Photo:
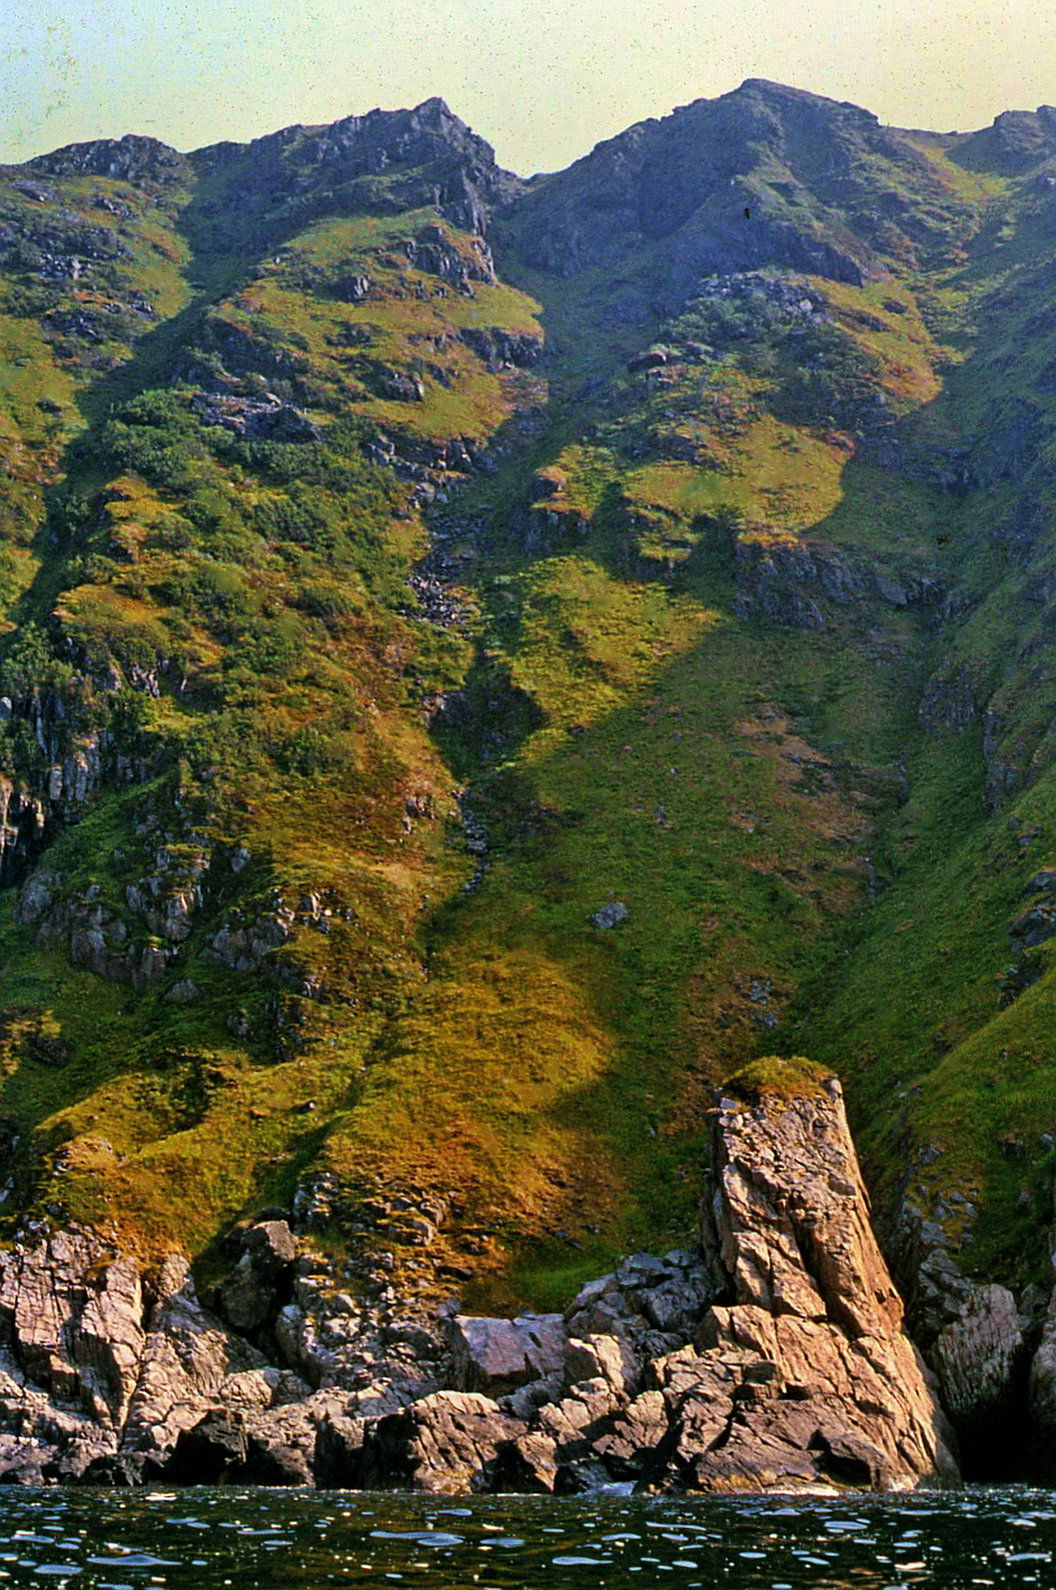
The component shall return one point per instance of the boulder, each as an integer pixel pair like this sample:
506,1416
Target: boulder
628,1447
647,1298
270,1460
499,347
117,1470
212,1451
445,1443
609,916
253,1291
338,1457
526,1401
498,1355
527,1465
24,1463
608,1358
281,1440
579,1419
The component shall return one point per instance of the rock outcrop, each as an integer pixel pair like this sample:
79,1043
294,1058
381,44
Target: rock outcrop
687,182
810,1357
93,1368
774,1357
809,585
981,1359
1043,1379
993,1355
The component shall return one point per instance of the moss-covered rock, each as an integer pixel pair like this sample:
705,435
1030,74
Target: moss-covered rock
777,1077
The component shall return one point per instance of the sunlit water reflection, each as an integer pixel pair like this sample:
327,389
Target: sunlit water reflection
300,1540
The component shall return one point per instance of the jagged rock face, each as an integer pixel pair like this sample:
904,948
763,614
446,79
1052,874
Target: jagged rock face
95,1363
1016,140
691,181
425,156
785,1364
446,163
795,582
980,1358
774,1359
112,1375
1043,1385
22,824
824,1380
133,158
993,1357
791,1215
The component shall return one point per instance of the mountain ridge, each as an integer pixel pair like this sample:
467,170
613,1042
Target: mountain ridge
437,105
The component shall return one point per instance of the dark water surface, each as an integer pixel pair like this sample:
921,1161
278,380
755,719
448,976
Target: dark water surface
294,1540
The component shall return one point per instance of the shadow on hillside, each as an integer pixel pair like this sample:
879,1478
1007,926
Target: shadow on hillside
589,820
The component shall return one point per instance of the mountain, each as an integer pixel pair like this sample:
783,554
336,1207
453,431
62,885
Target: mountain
485,659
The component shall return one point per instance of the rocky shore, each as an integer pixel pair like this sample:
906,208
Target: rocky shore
773,1356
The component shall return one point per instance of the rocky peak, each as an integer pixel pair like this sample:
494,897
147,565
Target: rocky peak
411,137
1015,141
714,182
384,160
133,158
785,99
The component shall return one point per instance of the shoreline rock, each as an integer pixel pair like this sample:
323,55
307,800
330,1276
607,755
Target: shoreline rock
773,1357
814,1305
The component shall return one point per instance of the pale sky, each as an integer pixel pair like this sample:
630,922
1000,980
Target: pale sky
542,80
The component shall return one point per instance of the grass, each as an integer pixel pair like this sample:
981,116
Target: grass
777,1077
806,869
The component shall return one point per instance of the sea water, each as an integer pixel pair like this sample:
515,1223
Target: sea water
300,1540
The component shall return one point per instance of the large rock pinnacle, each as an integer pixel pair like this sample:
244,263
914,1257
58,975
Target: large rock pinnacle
827,1384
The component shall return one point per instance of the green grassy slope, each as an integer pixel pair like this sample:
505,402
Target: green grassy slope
377,658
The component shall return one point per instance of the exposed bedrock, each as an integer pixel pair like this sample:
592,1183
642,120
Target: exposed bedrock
833,1386
772,1357
993,1354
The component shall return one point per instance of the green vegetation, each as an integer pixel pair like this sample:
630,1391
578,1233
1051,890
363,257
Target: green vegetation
358,661
777,1077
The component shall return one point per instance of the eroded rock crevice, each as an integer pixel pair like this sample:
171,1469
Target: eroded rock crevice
991,1351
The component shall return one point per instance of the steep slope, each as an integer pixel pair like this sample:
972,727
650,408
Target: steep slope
433,762
216,668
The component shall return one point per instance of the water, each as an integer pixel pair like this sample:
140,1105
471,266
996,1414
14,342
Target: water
303,1540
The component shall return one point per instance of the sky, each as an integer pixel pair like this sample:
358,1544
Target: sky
542,80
